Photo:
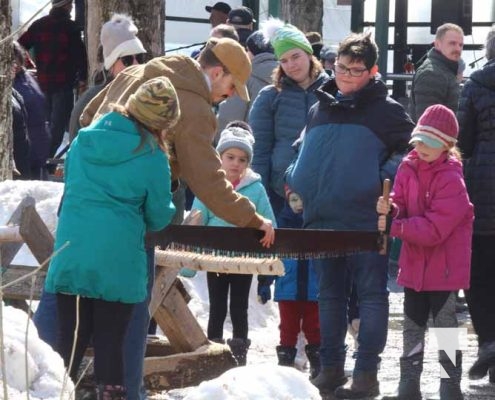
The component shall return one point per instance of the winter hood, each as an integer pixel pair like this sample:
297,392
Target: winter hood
112,139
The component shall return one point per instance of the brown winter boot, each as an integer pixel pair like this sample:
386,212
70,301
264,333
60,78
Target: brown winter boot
364,384
329,379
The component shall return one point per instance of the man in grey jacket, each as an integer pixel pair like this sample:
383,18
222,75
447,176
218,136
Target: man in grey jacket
264,62
435,80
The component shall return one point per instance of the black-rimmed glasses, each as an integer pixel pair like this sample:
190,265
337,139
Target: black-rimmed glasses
129,60
356,72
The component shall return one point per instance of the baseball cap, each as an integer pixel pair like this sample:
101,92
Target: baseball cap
241,16
233,56
220,6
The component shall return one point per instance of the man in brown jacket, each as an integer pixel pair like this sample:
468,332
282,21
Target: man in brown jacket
221,70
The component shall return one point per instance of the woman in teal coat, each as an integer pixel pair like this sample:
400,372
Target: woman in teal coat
117,186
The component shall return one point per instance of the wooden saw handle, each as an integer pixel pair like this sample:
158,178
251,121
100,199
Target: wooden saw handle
385,194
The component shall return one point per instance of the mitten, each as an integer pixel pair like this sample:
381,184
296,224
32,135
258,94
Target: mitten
187,272
264,293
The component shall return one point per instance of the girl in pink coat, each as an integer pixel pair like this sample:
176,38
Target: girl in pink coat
430,211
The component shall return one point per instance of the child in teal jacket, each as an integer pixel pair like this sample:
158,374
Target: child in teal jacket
236,152
117,186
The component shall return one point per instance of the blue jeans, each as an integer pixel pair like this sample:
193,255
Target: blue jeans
46,321
368,272
135,339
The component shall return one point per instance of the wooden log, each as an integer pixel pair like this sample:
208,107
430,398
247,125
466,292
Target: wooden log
164,279
187,369
219,264
10,234
36,234
22,289
9,250
178,324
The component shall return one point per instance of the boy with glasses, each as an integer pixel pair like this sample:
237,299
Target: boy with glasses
354,140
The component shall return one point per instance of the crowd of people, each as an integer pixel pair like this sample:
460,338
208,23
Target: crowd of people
261,128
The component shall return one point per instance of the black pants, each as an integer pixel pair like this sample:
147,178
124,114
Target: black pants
481,295
417,309
102,321
218,291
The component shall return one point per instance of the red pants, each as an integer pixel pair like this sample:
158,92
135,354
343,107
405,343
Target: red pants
296,316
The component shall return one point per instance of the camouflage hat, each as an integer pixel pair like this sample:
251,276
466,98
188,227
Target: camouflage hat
155,104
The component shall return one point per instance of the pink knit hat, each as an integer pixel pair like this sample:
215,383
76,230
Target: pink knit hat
437,127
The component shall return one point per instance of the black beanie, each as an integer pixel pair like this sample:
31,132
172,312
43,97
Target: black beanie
256,43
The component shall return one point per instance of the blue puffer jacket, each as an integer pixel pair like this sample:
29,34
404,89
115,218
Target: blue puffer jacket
298,283
350,145
477,143
277,118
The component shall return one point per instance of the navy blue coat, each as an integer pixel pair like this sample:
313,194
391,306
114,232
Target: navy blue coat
476,117
277,119
350,146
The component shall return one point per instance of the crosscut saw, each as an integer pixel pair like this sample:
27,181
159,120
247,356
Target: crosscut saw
244,242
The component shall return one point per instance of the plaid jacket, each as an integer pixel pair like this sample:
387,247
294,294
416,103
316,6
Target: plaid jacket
59,52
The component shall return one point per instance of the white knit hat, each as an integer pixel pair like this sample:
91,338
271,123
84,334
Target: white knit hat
118,39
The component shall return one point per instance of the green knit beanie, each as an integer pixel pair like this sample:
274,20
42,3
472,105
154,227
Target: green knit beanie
285,37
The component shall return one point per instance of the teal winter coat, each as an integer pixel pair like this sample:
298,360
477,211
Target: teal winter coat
112,195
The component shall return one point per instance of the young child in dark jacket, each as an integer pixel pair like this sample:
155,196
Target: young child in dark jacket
355,138
431,213
296,293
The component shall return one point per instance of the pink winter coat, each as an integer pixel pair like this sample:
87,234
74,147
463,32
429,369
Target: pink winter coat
434,218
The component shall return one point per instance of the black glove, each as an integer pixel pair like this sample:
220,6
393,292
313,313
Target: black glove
264,293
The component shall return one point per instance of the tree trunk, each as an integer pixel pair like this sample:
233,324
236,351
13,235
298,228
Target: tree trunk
6,138
148,15
307,15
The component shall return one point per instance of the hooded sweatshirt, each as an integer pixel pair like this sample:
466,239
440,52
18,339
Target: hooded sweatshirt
192,156
113,193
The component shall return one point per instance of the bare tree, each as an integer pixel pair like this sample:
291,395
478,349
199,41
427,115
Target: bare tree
6,139
307,15
149,16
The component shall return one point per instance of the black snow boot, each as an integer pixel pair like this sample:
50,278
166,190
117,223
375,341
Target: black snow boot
313,354
410,375
286,355
239,348
363,385
329,379
111,392
450,388
486,359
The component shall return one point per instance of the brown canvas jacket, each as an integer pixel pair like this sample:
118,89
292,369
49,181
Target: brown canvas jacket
192,156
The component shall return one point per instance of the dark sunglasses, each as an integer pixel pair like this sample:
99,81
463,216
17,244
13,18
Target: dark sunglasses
129,60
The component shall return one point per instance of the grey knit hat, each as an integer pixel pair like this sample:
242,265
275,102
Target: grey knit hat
238,138
118,39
